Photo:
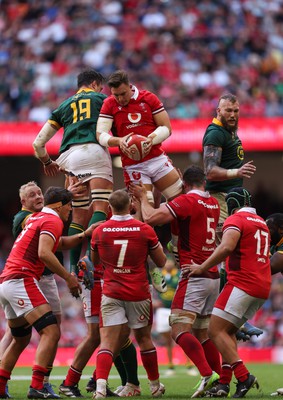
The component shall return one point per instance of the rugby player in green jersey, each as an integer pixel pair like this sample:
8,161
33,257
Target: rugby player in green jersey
223,159
223,153
81,156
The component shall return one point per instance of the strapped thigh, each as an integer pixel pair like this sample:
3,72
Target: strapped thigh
184,317
44,321
100,194
21,331
82,203
173,190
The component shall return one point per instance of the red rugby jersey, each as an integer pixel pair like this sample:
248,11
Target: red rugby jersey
248,267
23,259
123,244
137,117
197,215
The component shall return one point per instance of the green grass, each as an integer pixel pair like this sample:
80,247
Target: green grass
180,386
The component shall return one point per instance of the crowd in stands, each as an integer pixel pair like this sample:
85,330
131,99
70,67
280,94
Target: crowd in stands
187,51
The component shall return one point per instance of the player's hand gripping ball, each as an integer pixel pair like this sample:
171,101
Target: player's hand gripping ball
137,147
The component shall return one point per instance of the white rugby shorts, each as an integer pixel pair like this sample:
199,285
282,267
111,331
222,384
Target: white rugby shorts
136,314
20,296
87,161
91,302
148,171
236,306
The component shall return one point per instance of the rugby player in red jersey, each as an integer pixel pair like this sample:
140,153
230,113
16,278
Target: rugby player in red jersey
130,110
122,245
23,301
246,242
197,214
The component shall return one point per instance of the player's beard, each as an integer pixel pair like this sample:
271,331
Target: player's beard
227,126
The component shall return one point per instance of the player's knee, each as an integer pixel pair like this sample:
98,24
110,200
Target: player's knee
201,323
46,320
21,331
211,333
173,190
82,203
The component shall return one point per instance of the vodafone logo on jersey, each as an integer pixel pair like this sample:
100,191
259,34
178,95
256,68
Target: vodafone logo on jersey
134,117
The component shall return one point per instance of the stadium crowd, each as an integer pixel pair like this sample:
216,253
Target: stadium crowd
187,51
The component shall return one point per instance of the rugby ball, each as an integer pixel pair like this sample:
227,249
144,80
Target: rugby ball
136,147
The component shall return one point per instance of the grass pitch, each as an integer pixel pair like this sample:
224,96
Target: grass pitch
179,386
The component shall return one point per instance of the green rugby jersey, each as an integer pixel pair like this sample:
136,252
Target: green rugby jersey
232,154
277,248
19,221
78,116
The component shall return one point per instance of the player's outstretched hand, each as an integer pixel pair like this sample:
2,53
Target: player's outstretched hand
51,169
124,145
247,170
137,190
190,270
147,146
78,188
91,228
73,285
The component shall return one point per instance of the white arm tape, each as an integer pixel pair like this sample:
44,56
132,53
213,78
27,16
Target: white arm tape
232,173
103,125
45,134
161,132
104,138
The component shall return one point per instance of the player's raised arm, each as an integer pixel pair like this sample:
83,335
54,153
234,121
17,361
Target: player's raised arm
45,134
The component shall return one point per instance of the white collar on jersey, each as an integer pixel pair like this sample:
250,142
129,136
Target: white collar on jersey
135,91
121,217
199,192
48,210
247,209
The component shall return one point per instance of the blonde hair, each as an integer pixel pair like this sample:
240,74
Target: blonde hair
23,188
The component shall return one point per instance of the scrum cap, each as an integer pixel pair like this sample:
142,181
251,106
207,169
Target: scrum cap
238,197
